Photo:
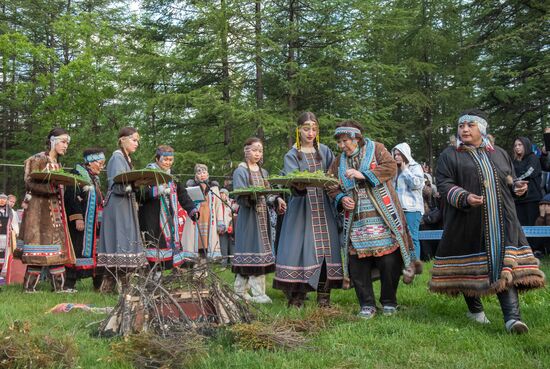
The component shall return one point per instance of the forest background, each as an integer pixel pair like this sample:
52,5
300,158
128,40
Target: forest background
204,75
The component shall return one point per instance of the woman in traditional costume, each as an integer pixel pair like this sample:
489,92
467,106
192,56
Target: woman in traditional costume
253,257
483,249
375,231
210,221
44,230
164,212
308,255
84,205
7,238
120,248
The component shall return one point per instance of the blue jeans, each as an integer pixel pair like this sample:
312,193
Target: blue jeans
413,221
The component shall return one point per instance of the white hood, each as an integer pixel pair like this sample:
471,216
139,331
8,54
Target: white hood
404,149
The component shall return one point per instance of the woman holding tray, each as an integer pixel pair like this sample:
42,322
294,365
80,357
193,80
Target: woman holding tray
44,231
253,257
165,210
375,231
308,257
120,247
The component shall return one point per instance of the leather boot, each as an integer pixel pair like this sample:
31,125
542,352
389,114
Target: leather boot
323,295
509,303
108,284
323,299
296,299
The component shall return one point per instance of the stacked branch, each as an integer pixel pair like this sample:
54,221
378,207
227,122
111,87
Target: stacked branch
194,299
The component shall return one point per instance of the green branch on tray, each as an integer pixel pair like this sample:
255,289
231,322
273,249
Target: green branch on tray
306,176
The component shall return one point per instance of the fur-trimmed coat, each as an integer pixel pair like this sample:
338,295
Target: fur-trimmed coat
44,228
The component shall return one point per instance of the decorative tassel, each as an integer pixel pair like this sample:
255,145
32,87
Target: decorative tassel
298,143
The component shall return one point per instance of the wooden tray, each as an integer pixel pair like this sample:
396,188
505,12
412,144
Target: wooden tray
148,177
59,178
310,182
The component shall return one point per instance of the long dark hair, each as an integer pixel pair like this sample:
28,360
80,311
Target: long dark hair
304,117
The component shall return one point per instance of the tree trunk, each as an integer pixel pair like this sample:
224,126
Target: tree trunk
258,62
290,61
225,74
66,41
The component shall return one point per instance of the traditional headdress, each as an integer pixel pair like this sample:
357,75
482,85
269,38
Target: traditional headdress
94,157
306,123
161,152
350,131
55,139
481,123
248,149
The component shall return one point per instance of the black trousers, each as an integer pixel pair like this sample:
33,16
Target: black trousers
361,275
509,304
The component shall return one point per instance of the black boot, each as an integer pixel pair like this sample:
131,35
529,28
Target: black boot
296,299
323,295
509,303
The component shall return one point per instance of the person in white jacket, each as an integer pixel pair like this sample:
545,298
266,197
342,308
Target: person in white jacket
409,183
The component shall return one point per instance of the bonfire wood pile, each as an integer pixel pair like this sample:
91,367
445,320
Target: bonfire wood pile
193,299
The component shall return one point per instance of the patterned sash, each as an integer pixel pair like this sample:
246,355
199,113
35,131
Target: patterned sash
492,213
315,195
90,216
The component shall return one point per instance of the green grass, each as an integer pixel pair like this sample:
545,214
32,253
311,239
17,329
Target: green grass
430,331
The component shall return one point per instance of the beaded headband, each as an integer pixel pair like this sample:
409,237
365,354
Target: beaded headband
482,123
94,157
164,153
350,131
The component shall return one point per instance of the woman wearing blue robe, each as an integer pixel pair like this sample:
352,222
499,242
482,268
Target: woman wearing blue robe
120,248
308,257
253,257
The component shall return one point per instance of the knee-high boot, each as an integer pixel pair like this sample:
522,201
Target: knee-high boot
509,303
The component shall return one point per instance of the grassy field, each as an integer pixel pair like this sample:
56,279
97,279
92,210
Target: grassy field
430,331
